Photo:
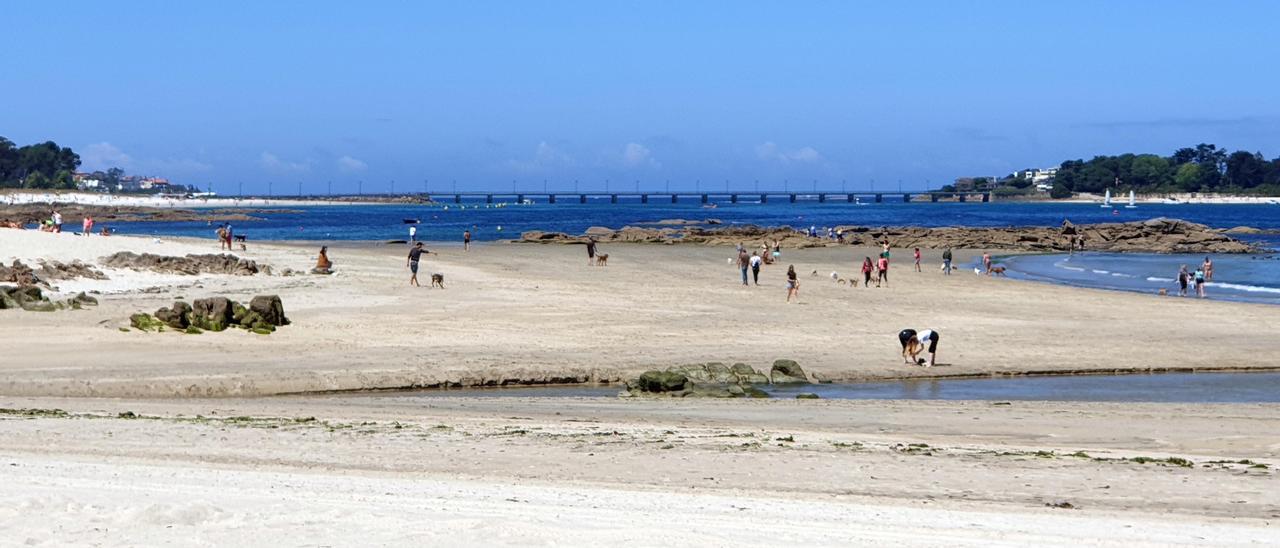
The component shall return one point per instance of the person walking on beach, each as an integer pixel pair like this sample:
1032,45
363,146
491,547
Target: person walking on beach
744,262
867,267
222,236
230,236
1208,269
793,284
413,233
755,267
1200,278
57,222
1184,278
591,251
466,240
946,262
882,276
777,250
917,257
415,253
986,262
914,343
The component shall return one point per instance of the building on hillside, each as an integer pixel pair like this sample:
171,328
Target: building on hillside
1036,175
154,183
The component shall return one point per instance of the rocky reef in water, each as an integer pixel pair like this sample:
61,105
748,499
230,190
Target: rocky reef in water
1159,235
714,380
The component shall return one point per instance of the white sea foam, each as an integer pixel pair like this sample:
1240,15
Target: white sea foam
1249,288
1101,271
1121,275
1071,268
1155,279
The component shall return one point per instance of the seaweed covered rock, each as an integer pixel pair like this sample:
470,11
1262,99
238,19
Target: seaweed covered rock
662,381
787,372
145,322
175,316
709,380
270,309
29,298
212,314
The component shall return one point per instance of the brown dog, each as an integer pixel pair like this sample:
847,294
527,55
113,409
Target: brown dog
437,280
1163,292
602,259
998,270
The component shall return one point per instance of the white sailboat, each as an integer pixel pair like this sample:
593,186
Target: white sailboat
1106,200
1133,203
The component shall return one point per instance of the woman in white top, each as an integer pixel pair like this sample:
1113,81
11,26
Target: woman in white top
913,343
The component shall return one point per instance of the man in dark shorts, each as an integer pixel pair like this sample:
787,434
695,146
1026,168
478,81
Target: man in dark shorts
466,240
415,253
591,251
926,340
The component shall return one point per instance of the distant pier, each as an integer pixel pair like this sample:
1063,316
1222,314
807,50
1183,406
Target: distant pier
704,197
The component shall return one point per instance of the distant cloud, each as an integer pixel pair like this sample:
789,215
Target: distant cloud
347,164
638,155
103,156
271,162
771,152
545,157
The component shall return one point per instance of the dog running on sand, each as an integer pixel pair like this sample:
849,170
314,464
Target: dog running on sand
602,259
437,280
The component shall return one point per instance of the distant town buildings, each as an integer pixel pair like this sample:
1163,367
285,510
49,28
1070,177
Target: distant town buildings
1036,175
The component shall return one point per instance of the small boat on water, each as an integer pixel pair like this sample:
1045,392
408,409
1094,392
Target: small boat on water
1106,201
709,206
1133,203
412,221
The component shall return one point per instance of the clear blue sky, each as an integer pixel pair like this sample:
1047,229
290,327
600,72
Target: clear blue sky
485,93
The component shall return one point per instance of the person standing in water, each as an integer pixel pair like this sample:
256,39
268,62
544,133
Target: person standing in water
755,267
413,233
466,240
1184,278
946,262
1200,279
793,284
1208,269
916,254
986,262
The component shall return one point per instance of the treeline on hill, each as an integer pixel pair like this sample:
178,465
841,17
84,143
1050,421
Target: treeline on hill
44,165
1205,168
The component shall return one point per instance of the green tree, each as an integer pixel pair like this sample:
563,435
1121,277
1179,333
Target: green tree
1148,170
1060,190
1187,178
37,180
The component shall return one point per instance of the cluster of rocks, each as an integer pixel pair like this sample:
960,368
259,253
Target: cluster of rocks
262,316
73,214
1158,235
221,263
714,380
46,271
31,298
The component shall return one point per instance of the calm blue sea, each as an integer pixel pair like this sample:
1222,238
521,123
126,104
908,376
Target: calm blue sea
1249,278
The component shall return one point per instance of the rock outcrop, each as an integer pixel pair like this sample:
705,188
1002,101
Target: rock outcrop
714,380
31,298
264,314
1158,235
189,265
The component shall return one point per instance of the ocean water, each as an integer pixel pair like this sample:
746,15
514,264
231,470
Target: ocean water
385,222
1250,278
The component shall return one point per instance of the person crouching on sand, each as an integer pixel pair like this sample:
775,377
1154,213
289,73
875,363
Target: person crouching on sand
914,343
323,264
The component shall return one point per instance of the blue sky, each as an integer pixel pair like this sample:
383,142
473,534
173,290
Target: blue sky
491,93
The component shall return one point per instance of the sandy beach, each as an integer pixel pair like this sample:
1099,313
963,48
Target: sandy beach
162,437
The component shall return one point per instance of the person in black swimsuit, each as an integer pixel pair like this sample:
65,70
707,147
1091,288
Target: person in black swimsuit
591,251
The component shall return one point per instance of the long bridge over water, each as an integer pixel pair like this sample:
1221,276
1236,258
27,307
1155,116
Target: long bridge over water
704,197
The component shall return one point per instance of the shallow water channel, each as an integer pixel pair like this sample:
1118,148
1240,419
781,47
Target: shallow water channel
1234,387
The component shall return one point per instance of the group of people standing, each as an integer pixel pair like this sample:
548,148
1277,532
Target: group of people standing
1201,276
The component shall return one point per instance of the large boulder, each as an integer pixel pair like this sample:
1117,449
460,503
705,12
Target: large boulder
787,372
212,314
748,375
270,309
662,381
175,316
